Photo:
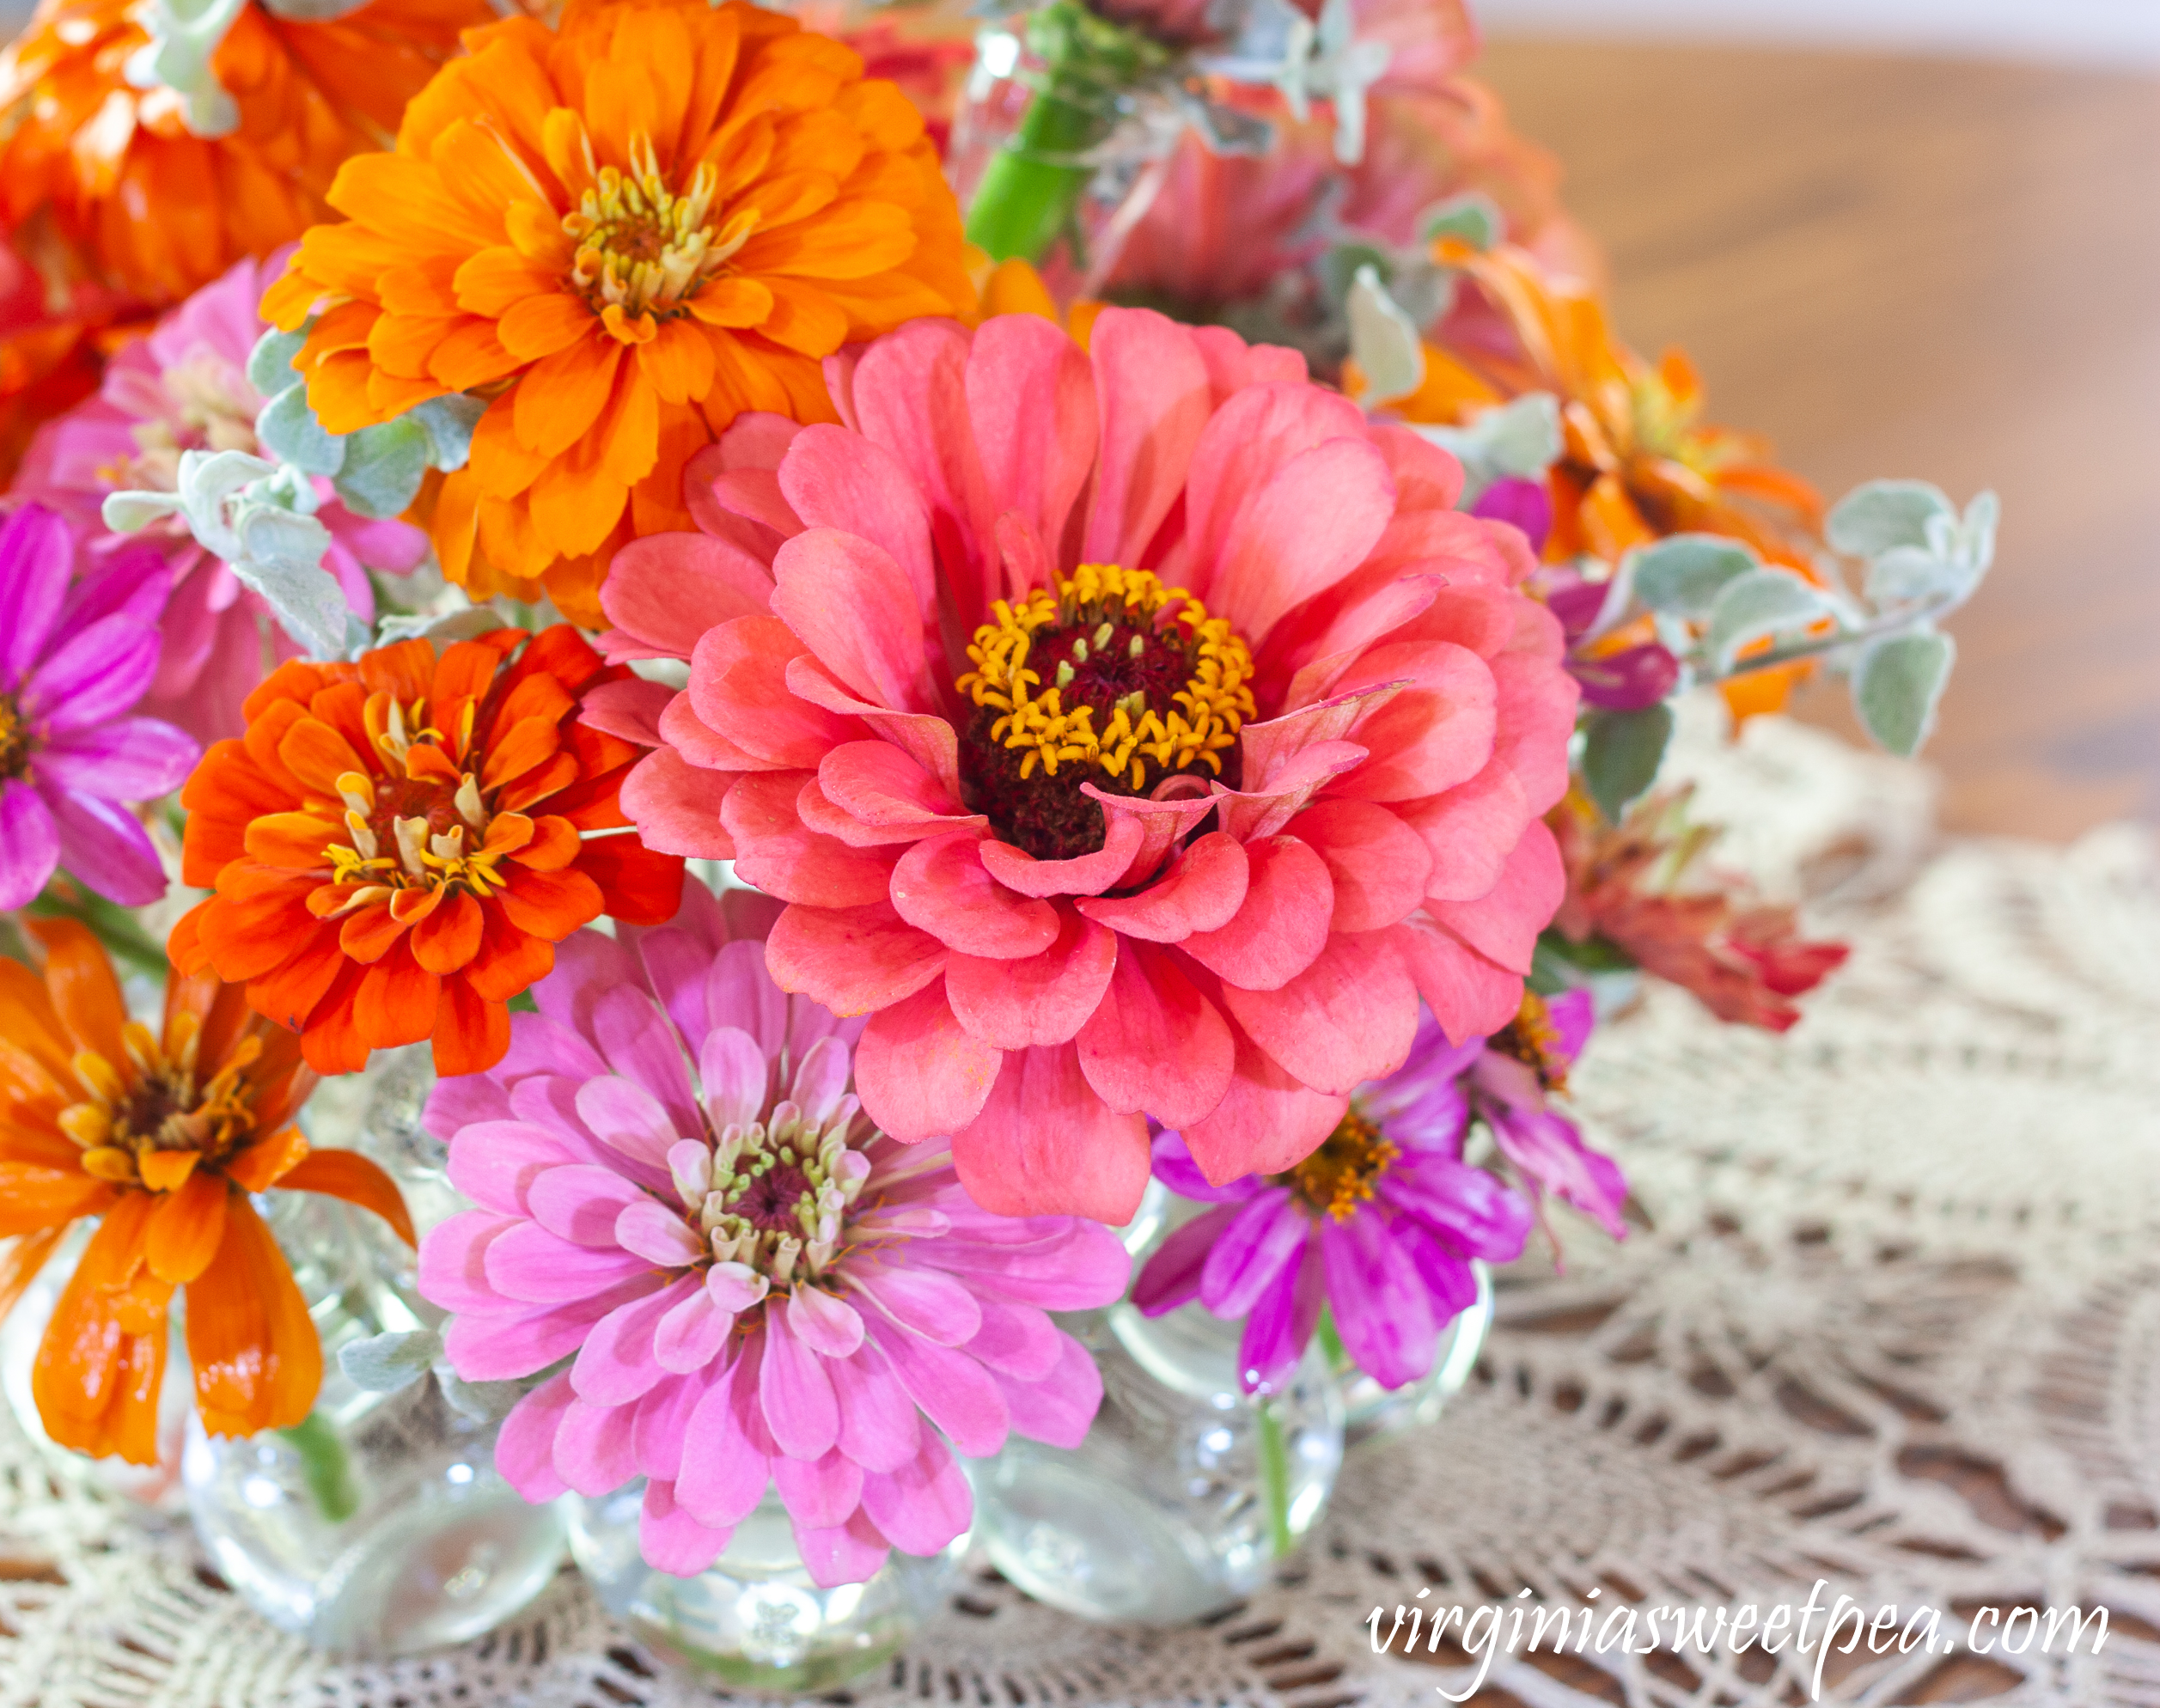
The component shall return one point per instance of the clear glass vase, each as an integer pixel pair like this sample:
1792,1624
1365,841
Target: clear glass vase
753,1618
1371,1412
1186,1493
379,1525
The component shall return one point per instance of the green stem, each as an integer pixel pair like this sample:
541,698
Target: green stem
325,1466
1274,1457
1030,193
1026,200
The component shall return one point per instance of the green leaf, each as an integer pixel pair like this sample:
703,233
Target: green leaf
270,368
289,429
382,467
1383,340
1897,686
1762,602
1872,519
1683,574
384,1363
1474,217
1620,756
450,423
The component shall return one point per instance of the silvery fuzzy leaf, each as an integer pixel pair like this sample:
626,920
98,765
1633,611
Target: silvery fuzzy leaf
288,427
1914,575
1759,604
1683,574
1519,440
125,512
270,368
440,631
1383,341
382,467
281,559
314,11
1873,519
450,423
184,39
208,481
484,1402
383,1363
1621,752
1473,216
1897,686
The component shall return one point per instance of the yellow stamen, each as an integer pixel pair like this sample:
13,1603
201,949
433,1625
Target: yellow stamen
1338,1176
643,250
1205,714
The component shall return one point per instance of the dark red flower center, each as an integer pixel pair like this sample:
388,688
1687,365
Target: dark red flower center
1115,682
15,739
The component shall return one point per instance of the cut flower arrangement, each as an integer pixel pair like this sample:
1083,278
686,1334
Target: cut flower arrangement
927,699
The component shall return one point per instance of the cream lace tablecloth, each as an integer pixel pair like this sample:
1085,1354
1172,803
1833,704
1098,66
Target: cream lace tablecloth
1892,1319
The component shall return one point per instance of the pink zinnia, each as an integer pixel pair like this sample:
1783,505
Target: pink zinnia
76,651
757,1288
185,387
1130,734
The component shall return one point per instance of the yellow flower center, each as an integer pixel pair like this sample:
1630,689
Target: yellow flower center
1533,1039
421,832
152,1127
1115,680
641,248
15,739
1338,1176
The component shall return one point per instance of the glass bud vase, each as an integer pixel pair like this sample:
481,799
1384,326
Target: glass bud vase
1187,1491
378,1525
1371,1412
753,1618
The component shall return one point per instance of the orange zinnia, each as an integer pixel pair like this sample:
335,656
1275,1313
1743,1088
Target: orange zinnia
398,845
162,1137
623,234
1637,462
158,210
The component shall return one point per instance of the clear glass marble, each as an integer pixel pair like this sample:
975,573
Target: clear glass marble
1371,1412
379,1525
753,1618
1187,1491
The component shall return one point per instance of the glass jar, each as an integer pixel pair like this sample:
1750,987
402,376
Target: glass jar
753,1618
379,1525
1371,1412
1187,1491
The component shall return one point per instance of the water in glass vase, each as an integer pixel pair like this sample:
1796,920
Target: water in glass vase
1186,1493
755,1618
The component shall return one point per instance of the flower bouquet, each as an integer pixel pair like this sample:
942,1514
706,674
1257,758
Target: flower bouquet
981,702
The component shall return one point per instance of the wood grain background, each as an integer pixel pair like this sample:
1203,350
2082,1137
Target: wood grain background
1902,266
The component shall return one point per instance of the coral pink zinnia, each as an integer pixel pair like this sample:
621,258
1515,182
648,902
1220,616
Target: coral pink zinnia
1132,733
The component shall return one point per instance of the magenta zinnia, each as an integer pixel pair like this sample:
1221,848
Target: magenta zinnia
757,1288
1135,733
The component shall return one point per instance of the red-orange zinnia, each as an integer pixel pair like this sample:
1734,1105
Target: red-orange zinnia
398,845
156,210
162,1137
623,234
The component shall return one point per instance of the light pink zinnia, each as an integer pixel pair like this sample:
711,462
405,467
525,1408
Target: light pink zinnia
757,1288
1342,720
185,387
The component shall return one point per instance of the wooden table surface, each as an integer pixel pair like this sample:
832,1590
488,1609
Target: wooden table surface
1902,266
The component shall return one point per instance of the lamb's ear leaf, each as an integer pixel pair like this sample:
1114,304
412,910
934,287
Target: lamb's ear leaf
1897,686
1621,752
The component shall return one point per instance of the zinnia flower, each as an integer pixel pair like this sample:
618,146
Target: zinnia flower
758,1289
1641,888
1131,734
161,154
164,1136
396,844
625,234
76,654
53,335
185,387
1380,1223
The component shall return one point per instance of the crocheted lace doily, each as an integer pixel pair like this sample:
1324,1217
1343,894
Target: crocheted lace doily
1890,1318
